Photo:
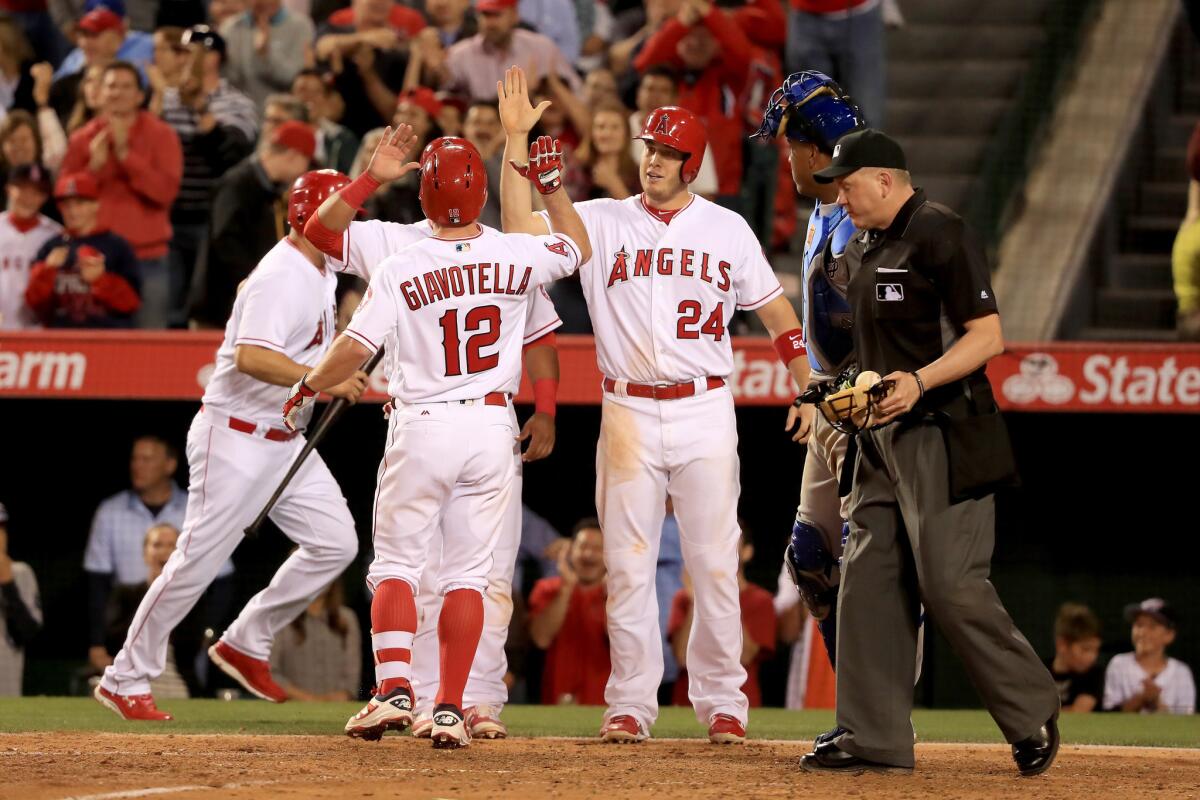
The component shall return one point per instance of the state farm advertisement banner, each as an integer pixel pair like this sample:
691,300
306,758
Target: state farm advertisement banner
176,365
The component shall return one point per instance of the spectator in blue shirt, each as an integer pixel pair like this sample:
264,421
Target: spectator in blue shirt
668,580
107,18
114,554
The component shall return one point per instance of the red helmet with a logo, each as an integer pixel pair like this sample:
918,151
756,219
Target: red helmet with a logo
680,130
453,182
309,191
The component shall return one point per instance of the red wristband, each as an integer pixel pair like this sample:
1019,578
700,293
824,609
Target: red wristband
545,393
359,189
790,345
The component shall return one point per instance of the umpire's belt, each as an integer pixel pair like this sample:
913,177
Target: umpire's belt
252,428
672,391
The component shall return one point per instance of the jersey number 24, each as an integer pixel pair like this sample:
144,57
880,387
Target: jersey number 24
689,317
483,322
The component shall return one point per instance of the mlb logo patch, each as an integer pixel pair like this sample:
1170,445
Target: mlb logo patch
837,148
889,292
462,247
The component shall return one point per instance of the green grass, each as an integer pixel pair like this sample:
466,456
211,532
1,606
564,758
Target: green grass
255,717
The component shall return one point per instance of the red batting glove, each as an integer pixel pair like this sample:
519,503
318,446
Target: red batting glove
300,397
544,169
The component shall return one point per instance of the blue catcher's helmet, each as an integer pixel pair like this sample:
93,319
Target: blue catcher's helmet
810,107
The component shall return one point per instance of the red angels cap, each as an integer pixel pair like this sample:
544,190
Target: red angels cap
424,98
77,184
494,5
295,135
99,20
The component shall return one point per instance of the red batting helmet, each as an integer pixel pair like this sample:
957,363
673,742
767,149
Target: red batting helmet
680,130
453,182
309,191
439,143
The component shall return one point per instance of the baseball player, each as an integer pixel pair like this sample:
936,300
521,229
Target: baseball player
454,305
668,271
282,322
23,231
358,247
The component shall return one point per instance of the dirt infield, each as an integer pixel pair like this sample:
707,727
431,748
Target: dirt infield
112,766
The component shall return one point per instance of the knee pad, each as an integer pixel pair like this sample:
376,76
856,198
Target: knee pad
811,568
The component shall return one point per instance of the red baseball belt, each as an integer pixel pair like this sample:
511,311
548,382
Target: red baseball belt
245,426
673,391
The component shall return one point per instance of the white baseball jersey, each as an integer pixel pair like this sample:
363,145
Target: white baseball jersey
18,248
286,305
365,244
1124,677
660,296
452,304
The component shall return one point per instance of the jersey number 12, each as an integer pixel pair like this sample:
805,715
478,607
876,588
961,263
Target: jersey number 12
483,319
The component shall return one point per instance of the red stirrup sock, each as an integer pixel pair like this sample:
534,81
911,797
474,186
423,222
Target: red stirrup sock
459,628
393,623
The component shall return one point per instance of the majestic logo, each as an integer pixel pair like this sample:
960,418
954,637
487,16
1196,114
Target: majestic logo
1038,379
663,121
559,248
889,292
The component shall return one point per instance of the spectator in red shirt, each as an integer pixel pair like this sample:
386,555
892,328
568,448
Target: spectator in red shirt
713,55
758,628
87,276
567,619
137,162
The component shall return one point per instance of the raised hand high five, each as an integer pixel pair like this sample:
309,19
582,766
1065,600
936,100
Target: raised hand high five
390,160
517,114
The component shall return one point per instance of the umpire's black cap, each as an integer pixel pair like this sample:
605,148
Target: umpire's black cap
865,148
206,36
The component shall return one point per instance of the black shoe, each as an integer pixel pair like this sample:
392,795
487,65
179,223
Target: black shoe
1035,754
828,757
828,736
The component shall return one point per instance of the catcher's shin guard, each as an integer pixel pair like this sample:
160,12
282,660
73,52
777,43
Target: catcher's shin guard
811,567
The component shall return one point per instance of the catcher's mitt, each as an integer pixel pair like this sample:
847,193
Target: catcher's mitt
847,404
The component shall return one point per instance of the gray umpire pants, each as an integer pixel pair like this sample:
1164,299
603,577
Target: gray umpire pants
908,545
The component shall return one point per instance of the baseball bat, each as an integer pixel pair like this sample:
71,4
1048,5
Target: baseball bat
331,415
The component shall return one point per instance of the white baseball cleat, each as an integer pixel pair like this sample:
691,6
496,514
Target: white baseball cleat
382,713
484,722
423,725
450,730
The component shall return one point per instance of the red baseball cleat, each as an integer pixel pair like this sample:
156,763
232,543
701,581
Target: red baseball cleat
131,706
724,729
484,723
623,729
252,673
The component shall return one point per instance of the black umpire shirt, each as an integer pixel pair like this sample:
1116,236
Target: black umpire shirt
914,286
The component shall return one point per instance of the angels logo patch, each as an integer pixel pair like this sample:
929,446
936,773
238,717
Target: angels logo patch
663,121
558,248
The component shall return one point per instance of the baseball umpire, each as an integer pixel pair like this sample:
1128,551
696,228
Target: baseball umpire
922,519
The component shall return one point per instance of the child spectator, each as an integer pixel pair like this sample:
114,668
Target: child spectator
567,619
86,277
20,141
758,628
20,613
319,656
1148,680
1079,678
23,232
